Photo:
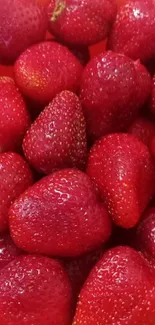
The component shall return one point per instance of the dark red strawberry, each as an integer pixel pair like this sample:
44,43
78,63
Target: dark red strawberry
60,215
144,128
15,177
123,169
35,290
57,138
8,250
119,290
112,93
82,53
46,69
15,119
133,32
22,23
81,23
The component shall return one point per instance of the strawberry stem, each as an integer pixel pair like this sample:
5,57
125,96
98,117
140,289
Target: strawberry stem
59,8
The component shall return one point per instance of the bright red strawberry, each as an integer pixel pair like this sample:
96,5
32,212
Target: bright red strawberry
143,128
133,32
82,23
35,290
22,23
119,290
122,167
57,138
8,250
60,215
112,92
15,177
15,119
46,69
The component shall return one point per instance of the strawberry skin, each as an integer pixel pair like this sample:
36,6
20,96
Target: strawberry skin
15,119
22,23
46,69
84,23
60,215
144,128
122,168
133,32
8,250
57,138
112,93
15,177
153,96
35,290
119,290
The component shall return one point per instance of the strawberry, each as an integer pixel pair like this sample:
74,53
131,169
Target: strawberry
112,93
35,290
153,96
123,169
8,250
57,138
83,23
61,215
15,119
144,128
15,177
119,290
46,69
133,32
22,23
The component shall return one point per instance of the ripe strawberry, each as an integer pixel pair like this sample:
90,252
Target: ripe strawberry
112,92
22,23
153,96
119,290
8,250
144,128
133,32
15,119
60,215
46,69
83,23
35,290
57,138
122,167
15,177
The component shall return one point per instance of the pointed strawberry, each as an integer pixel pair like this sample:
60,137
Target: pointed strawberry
123,169
57,138
60,215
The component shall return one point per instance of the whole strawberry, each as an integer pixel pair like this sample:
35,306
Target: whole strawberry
112,93
15,177
144,128
15,119
8,250
60,215
133,32
83,23
35,290
57,138
46,69
119,290
22,23
123,169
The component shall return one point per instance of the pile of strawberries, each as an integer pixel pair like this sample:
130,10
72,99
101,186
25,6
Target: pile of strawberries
77,162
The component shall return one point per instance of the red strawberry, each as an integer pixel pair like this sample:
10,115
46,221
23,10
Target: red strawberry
133,32
57,138
122,167
60,215
112,93
46,69
81,23
35,290
145,235
14,119
15,177
144,128
22,23
152,146
8,250
119,290
153,96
